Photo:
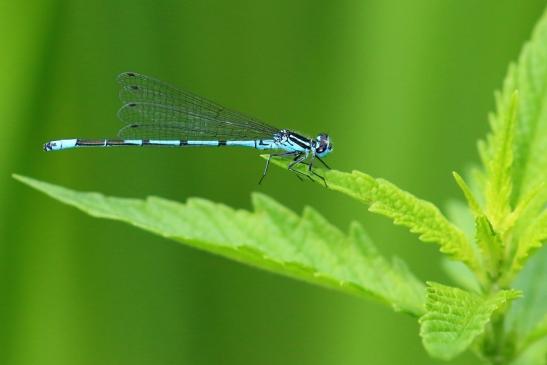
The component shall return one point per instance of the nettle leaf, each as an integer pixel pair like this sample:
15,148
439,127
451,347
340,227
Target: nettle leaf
420,216
536,354
529,206
526,319
490,244
531,238
497,157
530,78
514,155
529,141
472,202
538,333
454,318
271,237
489,241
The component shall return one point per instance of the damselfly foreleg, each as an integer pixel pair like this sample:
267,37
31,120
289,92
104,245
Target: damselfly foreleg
323,162
284,154
310,169
319,176
299,158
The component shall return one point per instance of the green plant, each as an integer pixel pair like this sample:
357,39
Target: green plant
505,222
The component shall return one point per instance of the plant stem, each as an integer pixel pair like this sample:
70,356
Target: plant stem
497,347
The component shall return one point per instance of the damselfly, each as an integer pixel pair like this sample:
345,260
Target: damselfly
158,114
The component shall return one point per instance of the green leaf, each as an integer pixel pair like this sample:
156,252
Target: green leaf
497,157
526,318
534,355
271,237
490,244
529,240
528,206
514,155
529,144
420,216
455,317
469,196
487,239
539,332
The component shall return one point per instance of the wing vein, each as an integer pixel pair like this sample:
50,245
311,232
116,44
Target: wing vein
154,109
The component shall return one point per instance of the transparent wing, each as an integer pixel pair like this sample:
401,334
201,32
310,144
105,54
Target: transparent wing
146,120
154,105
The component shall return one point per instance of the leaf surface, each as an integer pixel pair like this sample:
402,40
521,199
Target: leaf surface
527,318
405,209
271,237
531,238
515,151
455,317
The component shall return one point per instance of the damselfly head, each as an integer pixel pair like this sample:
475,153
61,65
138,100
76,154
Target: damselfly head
324,145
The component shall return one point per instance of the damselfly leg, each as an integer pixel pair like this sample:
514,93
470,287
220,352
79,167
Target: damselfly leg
310,170
323,162
284,154
302,161
299,159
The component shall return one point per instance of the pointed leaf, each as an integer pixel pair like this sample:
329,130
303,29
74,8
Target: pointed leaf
469,196
497,157
515,153
271,237
538,333
420,216
490,244
526,318
455,317
529,145
532,238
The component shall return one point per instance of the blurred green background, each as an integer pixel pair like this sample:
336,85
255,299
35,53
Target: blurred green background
403,87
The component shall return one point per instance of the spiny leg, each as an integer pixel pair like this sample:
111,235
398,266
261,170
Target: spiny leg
310,169
284,154
294,159
303,162
321,177
310,164
299,159
323,162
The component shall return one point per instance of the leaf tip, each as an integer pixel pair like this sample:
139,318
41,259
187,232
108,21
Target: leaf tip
18,177
25,180
259,199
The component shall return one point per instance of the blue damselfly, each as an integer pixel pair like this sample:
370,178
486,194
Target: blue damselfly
158,114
